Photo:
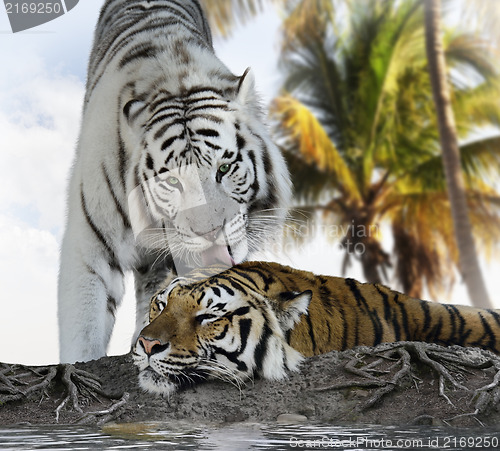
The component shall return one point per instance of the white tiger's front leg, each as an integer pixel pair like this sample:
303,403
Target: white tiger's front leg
90,289
149,277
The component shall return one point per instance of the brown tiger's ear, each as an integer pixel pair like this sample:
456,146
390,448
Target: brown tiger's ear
292,306
156,306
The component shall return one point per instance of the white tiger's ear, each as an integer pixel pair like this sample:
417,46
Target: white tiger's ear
292,306
133,109
246,88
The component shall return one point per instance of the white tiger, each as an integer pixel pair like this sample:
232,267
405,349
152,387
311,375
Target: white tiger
164,121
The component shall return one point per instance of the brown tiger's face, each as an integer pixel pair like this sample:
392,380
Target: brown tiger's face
213,329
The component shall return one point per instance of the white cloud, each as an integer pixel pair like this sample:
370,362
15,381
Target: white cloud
39,121
64,42
28,266
40,104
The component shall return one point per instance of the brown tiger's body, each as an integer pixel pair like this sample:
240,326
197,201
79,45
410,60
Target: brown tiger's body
261,317
344,313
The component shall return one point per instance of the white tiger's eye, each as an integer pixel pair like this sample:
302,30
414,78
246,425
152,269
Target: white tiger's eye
223,168
173,181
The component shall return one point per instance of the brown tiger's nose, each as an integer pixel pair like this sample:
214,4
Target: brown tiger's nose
151,346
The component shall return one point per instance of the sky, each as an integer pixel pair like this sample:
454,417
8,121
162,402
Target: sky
41,93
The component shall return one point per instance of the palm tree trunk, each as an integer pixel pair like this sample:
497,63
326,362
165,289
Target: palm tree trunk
469,264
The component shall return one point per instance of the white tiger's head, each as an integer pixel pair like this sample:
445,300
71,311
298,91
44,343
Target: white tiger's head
210,184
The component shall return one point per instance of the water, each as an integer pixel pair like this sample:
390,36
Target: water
245,436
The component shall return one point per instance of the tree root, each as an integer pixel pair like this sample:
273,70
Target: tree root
15,386
450,364
107,415
18,382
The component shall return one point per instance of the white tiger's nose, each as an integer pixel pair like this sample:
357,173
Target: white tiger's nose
211,235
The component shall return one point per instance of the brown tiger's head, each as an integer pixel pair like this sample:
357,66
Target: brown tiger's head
219,327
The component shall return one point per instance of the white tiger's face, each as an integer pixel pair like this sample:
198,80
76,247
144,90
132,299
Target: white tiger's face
204,213
203,187
197,219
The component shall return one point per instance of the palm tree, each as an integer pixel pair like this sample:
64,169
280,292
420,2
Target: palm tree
416,201
469,262
358,126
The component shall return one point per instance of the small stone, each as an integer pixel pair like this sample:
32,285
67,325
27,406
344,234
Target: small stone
438,422
360,393
291,418
308,410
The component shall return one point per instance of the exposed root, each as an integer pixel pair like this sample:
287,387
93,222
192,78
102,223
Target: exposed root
107,414
451,365
18,382
14,386
405,370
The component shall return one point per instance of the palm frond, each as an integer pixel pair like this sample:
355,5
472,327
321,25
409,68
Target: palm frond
472,55
484,207
483,17
305,21
315,78
416,264
224,15
309,183
299,126
476,107
424,220
480,160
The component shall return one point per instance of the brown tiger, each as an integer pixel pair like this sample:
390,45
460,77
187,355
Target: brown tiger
264,318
